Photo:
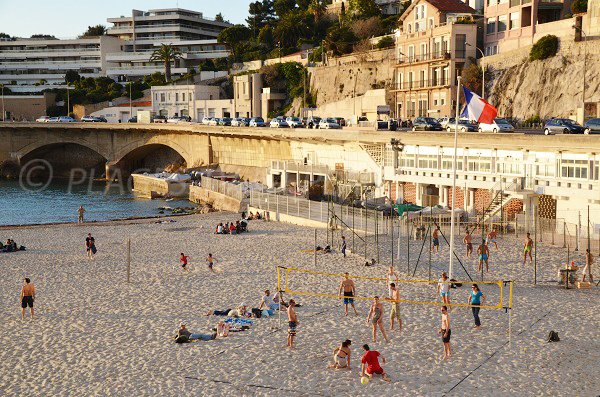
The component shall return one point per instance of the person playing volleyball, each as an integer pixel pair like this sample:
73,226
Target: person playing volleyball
443,288
375,317
348,289
527,249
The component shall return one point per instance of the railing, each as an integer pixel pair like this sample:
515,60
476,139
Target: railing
226,188
44,50
424,57
287,165
411,85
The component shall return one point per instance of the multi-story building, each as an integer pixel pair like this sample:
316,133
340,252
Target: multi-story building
32,65
144,31
435,40
247,92
511,24
185,100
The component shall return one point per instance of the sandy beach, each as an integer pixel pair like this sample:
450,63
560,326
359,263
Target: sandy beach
97,335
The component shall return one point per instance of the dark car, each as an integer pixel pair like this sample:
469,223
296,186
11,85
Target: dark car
562,126
159,119
225,121
132,120
592,126
426,124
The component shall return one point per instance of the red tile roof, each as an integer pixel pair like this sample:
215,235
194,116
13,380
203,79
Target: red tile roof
451,6
137,104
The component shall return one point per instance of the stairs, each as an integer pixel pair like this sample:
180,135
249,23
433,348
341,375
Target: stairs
502,194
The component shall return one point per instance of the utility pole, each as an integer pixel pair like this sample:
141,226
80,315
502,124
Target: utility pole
68,100
130,100
3,111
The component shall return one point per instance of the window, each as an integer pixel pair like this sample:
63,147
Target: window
423,51
162,97
460,46
183,96
409,28
388,160
501,23
400,53
411,53
428,161
491,26
481,164
546,169
514,20
597,170
430,23
509,167
417,13
176,97
443,101
574,169
407,161
447,163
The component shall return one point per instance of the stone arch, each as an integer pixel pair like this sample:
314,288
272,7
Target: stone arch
64,157
26,151
151,157
159,140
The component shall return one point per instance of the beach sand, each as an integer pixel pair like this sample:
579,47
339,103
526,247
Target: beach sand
97,335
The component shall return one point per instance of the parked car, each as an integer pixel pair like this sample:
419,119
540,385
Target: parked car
313,122
93,119
498,125
178,119
592,126
42,119
132,120
66,119
445,120
278,122
206,120
159,119
426,124
294,122
341,121
240,122
562,126
463,126
225,121
214,121
329,123
53,120
257,122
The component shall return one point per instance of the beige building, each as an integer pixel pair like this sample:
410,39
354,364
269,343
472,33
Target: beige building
26,107
434,41
247,91
182,100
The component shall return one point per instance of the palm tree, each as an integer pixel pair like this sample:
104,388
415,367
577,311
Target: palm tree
166,54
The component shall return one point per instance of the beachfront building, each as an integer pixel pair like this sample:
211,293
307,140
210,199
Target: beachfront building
194,35
432,45
196,101
247,95
511,24
33,65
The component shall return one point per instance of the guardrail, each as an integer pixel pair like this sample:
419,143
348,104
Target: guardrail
226,188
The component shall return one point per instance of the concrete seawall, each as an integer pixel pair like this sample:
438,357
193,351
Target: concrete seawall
218,201
147,186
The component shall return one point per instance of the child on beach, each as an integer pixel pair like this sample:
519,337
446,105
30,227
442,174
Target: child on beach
90,246
210,261
184,262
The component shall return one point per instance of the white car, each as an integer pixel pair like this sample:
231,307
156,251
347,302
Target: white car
445,120
206,120
294,122
93,119
278,122
178,119
43,119
499,125
329,123
240,122
66,119
213,121
257,122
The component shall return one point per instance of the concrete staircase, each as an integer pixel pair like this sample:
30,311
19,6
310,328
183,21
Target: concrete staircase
502,194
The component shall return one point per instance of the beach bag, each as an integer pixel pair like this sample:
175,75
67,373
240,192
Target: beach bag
257,313
94,250
454,284
553,337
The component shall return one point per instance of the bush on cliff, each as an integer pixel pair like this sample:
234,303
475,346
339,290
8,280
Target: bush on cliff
546,47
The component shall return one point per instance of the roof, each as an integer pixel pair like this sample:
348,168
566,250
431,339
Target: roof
137,104
444,6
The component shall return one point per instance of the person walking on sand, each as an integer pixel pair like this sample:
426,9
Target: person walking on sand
587,270
292,323
484,254
183,259
443,288
476,299
343,246
527,247
395,309
375,317
491,238
348,290
210,261
436,240
27,298
445,332
468,241
80,213
90,246
370,364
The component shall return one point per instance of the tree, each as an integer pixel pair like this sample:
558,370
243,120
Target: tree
545,47
340,40
71,77
363,9
260,13
385,42
472,76
234,36
219,18
317,9
579,6
5,36
43,36
284,7
367,28
94,31
166,54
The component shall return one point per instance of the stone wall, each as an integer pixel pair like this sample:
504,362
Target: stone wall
216,200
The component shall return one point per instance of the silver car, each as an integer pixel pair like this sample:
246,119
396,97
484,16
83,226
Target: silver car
498,125
278,122
294,122
329,123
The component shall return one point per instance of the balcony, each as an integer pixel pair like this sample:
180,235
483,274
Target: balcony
432,56
422,84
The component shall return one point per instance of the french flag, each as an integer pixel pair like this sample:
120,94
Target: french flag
477,108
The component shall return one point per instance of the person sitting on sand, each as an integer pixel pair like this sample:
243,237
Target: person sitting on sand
183,336
267,302
278,299
226,228
341,355
219,228
370,364
232,228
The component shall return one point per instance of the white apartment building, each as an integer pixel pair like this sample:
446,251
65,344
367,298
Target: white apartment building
196,101
32,65
144,31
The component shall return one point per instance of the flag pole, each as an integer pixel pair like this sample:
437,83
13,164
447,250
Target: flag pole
454,181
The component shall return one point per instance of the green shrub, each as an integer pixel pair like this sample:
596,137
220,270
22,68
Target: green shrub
546,47
533,120
385,42
579,6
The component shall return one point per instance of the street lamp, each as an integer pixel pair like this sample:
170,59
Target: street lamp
3,112
584,67
482,69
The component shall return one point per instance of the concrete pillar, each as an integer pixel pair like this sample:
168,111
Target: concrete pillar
418,194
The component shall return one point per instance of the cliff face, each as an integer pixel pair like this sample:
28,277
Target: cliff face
552,87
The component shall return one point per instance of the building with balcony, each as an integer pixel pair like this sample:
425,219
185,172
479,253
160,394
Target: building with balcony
195,101
32,65
144,31
435,40
511,24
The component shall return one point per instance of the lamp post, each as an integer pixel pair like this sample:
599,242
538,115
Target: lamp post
3,112
482,69
68,100
584,69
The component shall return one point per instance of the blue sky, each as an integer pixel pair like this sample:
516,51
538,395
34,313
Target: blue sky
69,18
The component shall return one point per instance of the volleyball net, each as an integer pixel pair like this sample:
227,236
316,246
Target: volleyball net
498,294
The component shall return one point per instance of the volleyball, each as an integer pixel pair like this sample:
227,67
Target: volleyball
364,380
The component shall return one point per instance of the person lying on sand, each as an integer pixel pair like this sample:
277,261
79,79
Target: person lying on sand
185,336
341,355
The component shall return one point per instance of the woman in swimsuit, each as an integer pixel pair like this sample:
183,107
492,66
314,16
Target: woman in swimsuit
375,316
341,356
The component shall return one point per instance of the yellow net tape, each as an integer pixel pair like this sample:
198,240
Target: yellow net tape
283,284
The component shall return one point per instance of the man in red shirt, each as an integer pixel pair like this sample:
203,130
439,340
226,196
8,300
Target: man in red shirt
183,259
370,364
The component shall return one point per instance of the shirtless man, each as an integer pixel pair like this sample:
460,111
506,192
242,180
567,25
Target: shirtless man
375,317
27,297
445,332
587,270
395,309
491,238
210,261
348,290
436,240
80,213
292,323
484,254
527,247
468,241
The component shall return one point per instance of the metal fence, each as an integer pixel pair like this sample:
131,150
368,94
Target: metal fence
226,188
